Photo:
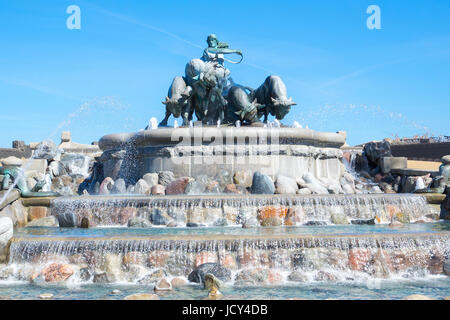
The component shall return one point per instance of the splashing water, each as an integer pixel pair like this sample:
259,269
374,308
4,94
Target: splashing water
175,124
107,103
297,125
153,123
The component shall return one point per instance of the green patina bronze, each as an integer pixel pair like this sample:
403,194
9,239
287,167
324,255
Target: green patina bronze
208,91
16,175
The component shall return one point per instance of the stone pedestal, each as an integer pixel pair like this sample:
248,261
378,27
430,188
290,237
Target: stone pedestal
210,150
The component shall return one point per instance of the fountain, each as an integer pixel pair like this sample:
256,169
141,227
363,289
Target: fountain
232,202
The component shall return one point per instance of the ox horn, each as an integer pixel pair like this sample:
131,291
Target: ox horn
167,100
291,103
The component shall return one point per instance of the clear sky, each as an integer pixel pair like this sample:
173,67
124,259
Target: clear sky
112,74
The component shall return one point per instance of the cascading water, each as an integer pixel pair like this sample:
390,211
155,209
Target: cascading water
337,209
281,258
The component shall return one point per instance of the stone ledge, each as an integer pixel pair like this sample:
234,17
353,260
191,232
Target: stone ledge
414,172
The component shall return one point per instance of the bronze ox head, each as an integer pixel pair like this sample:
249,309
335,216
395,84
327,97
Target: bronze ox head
281,107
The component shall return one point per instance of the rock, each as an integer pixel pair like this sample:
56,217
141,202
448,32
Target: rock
85,274
76,164
106,186
142,296
334,189
57,169
151,179
11,161
297,276
165,177
6,233
325,276
57,272
47,149
363,221
138,222
315,223
304,191
158,190
141,188
46,296
85,223
285,185
100,277
446,267
67,219
120,187
243,178
49,221
212,186
219,271
177,186
130,189
153,277
195,187
163,285
257,276
178,282
232,188
37,213
116,291
158,218
262,184
347,189
313,184
339,218
417,297
446,160
375,189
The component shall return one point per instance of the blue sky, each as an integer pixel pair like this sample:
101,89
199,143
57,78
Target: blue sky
112,75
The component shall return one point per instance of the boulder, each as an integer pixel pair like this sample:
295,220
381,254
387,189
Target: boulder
153,277
304,191
417,297
141,187
49,221
6,233
67,219
138,222
76,164
178,282
219,271
163,285
447,267
11,161
151,179
57,168
165,177
446,160
106,186
313,184
297,276
57,272
158,190
262,184
243,178
120,187
37,213
142,296
177,186
47,149
285,185
195,187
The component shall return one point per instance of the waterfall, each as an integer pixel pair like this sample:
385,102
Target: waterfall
343,257
116,210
